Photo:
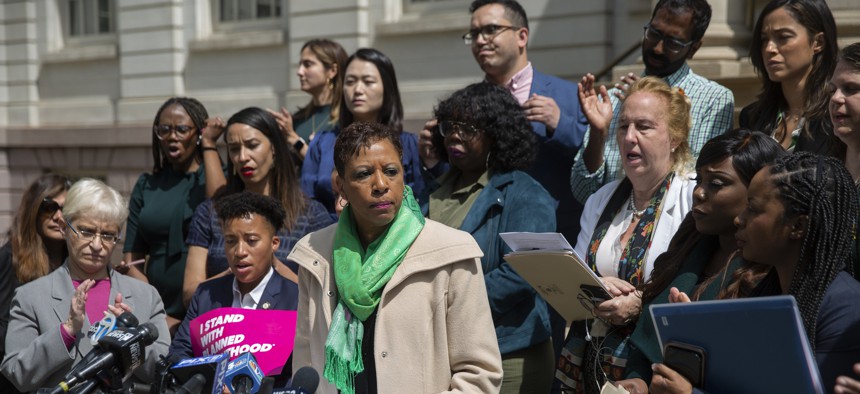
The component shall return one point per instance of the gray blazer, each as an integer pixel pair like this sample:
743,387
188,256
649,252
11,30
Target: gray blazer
35,353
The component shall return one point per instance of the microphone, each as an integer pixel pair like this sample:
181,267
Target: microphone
209,369
120,351
243,375
304,381
267,385
194,385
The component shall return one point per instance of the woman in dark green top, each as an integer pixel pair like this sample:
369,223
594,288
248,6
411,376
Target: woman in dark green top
163,202
701,259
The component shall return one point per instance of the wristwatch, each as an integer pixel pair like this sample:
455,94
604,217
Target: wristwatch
299,145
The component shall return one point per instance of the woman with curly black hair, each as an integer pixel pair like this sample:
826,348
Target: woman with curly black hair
485,136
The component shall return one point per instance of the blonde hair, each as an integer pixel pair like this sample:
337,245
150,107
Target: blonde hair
677,115
93,199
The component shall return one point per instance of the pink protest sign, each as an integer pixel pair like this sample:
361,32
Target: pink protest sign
268,334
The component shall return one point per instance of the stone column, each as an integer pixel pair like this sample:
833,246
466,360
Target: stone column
152,55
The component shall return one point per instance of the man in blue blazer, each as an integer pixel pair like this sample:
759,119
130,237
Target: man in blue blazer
498,36
250,223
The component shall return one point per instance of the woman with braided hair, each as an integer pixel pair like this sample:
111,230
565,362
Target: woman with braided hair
799,220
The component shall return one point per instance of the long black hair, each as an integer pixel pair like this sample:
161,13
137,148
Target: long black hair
749,151
391,113
815,17
284,175
820,188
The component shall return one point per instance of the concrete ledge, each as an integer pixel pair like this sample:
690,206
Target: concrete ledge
66,137
414,24
81,54
252,39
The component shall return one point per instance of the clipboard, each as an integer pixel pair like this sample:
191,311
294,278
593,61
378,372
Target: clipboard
753,345
556,273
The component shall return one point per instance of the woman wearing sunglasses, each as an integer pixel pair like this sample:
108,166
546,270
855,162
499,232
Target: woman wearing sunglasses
485,136
163,202
35,245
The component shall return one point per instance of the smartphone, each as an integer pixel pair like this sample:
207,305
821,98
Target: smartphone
687,360
596,293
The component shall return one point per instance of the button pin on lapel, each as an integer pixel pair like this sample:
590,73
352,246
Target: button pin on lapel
267,305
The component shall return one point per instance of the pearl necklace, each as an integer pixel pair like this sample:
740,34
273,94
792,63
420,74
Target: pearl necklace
637,214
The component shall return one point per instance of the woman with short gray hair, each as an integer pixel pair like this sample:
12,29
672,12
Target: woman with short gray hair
50,317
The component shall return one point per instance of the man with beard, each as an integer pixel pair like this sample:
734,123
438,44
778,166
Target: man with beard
673,35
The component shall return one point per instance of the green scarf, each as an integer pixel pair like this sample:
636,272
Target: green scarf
360,276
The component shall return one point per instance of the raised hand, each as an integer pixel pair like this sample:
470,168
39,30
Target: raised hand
78,308
426,150
624,85
595,105
213,130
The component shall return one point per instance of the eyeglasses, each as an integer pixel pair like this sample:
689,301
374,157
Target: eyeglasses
89,236
489,32
466,131
48,205
163,131
671,44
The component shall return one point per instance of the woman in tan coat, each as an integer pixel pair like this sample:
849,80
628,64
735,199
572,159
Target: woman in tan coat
390,301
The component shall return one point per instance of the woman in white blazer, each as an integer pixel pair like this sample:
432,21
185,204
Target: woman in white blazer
628,223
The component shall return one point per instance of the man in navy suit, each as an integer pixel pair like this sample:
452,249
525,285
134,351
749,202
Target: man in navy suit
498,36
250,223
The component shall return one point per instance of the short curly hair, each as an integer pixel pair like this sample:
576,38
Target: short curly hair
495,112
245,203
362,135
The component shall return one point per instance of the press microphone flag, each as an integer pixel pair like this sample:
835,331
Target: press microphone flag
243,375
211,368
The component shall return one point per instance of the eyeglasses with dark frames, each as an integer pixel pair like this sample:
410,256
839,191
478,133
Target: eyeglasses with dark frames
48,205
466,131
489,32
163,131
673,45
90,236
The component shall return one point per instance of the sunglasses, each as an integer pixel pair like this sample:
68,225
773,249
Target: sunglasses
48,205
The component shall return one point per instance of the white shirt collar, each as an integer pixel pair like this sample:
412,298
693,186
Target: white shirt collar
250,300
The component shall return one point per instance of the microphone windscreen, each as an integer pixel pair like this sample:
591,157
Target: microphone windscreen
210,367
305,380
149,332
267,386
127,320
244,368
